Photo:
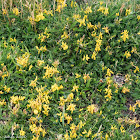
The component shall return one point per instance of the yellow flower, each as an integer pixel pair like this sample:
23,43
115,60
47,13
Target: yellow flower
62,101
30,67
134,50
81,124
128,12
40,62
106,11
66,136
124,90
101,2
82,22
108,91
46,109
94,55
106,136
98,45
138,103
138,17
77,75
113,127
92,108
109,72
35,112
86,77
132,108
33,82
89,133
71,107
88,10
4,11
54,87
84,132
86,57
76,16
16,11
58,78
50,71
68,118
133,137
43,49
70,97
77,99
101,8
75,88
127,54
106,29
137,69
125,35
1,92
42,37
22,133
64,46
6,89
39,17
13,40
65,35
2,102
122,129
117,14
23,61
89,25
49,12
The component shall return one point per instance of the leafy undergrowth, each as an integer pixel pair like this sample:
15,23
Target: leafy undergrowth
72,73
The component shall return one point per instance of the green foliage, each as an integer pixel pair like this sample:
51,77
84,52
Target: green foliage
70,73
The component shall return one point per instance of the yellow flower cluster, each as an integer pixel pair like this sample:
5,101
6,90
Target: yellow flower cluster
23,60
16,11
88,10
56,87
108,90
137,69
86,77
103,10
50,71
22,133
33,82
65,35
127,54
73,4
43,49
2,102
92,108
4,73
4,11
128,11
49,12
37,130
13,40
6,89
125,35
16,99
98,43
125,90
60,5
71,107
66,116
41,102
64,46
39,17
109,93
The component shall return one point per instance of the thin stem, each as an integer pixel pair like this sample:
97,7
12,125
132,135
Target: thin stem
21,8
